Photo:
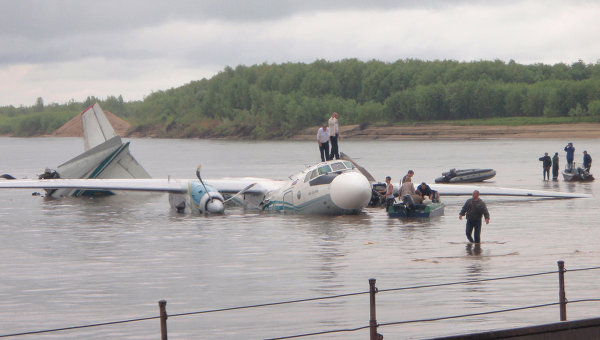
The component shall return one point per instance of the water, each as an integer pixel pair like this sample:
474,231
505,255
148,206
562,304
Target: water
80,261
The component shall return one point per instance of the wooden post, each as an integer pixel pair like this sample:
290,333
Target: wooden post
561,291
162,305
373,320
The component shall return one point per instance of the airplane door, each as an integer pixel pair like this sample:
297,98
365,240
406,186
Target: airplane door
288,200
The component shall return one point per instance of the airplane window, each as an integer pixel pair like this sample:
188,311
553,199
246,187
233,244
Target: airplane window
325,169
338,166
349,165
313,174
307,178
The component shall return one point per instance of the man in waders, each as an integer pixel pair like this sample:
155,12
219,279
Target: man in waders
474,208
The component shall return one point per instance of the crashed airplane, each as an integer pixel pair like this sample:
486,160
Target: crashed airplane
105,156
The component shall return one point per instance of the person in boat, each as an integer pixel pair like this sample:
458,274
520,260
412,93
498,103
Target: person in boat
555,167
424,190
570,149
474,208
334,135
408,176
323,140
547,163
388,193
587,161
408,189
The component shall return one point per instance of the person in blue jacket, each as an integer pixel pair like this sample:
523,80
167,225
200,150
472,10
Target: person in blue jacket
570,154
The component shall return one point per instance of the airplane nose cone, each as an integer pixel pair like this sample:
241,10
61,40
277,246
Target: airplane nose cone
351,190
215,206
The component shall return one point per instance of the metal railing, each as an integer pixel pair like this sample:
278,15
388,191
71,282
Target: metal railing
373,324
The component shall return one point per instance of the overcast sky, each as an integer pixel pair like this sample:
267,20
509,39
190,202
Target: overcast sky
63,50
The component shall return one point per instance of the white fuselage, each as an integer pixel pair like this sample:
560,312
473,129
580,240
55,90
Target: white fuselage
330,188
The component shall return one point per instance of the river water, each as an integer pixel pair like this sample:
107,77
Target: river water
73,262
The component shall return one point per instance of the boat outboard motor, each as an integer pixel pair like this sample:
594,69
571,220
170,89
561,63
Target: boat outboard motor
408,201
435,196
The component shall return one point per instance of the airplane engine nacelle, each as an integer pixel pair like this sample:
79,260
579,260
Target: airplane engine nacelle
206,202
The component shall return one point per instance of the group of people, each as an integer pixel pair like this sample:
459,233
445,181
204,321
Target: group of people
417,194
474,208
553,162
329,132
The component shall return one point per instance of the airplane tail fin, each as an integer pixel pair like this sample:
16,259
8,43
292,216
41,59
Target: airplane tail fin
96,127
105,156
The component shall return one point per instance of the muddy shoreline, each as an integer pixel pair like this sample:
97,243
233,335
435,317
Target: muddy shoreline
461,132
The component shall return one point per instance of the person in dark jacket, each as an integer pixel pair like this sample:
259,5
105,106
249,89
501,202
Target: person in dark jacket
555,167
424,190
474,209
570,154
587,161
547,163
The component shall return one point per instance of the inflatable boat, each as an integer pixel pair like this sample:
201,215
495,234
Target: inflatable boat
466,176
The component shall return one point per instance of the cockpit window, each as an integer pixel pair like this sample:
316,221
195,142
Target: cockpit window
307,178
349,165
310,175
338,166
325,169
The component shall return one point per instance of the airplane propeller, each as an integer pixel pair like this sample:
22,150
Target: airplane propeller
211,205
241,192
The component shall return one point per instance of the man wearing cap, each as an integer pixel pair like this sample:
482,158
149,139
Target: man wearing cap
547,163
570,154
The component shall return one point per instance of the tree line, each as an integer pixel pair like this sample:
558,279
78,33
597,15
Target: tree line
278,100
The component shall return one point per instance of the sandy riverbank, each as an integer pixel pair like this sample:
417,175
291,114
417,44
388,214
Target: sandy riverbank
450,131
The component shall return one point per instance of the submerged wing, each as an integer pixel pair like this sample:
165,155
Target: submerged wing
235,185
459,190
225,185
145,184
362,170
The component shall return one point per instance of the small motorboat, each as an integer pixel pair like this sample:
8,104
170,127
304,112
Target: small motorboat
407,208
466,175
577,174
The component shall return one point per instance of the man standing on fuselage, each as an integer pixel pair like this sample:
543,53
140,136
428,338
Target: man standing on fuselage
474,208
334,135
323,140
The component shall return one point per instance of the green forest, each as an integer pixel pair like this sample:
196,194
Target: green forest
278,100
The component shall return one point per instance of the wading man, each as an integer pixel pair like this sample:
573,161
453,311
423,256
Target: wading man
474,208
555,167
547,163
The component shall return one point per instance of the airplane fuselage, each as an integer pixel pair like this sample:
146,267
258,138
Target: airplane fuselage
329,188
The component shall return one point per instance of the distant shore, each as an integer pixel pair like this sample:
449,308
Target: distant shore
417,131
461,132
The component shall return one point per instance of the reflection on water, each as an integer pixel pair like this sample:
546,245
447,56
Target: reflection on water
74,261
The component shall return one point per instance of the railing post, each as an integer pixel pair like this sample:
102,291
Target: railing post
561,291
373,321
162,305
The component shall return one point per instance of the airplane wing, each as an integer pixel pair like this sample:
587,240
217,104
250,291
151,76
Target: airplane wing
235,185
144,184
461,190
224,185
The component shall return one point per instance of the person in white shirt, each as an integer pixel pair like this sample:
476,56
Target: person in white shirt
323,140
334,135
